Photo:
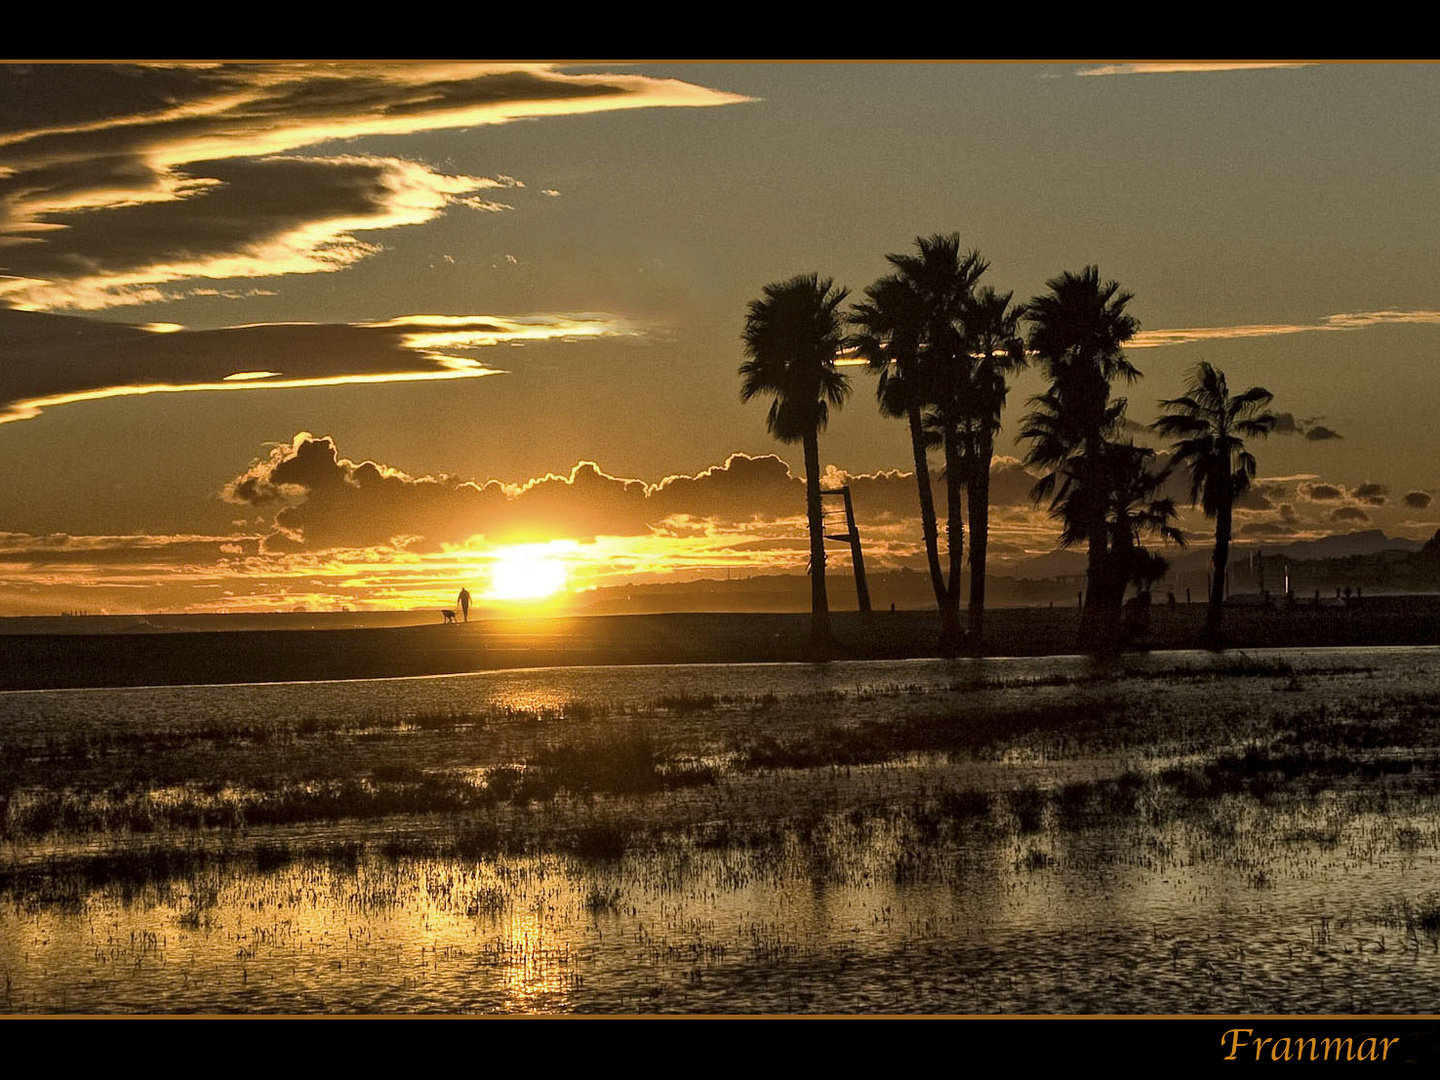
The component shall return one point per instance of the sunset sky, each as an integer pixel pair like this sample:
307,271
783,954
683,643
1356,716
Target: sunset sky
357,335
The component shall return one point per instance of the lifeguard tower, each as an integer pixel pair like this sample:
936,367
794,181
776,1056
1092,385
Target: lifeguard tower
837,510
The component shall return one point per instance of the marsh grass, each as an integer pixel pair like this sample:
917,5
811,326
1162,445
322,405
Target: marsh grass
624,786
144,810
628,764
1262,772
877,741
965,805
1027,805
1408,838
1034,859
1419,917
683,704
600,900
600,841
627,761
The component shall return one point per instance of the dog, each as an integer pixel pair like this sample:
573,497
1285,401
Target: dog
449,616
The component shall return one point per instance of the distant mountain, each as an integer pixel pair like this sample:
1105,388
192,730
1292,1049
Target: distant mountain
1062,563
1053,564
1343,546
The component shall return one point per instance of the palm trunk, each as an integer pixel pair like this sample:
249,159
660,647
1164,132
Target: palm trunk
1100,621
950,633
1117,580
1215,612
979,533
927,507
819,605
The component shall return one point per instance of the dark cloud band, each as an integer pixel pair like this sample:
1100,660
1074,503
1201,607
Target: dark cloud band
116,179
322,500
54,360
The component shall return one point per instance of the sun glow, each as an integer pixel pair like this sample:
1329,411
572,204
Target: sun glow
529,572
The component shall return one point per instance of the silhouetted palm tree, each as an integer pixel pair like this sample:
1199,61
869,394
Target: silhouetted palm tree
1137,510
997,350
943,279
1210,428
890,325
1133,509
1077,331
791,336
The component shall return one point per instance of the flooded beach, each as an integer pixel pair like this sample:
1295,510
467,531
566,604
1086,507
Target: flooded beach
1164,833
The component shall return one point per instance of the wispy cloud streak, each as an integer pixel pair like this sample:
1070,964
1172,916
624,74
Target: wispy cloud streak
1187,67
1355,320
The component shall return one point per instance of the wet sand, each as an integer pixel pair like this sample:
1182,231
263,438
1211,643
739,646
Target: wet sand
42,661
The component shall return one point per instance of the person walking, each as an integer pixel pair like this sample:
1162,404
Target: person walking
464,601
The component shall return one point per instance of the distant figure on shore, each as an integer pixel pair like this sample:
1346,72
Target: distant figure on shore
464,601
448,616
1170,600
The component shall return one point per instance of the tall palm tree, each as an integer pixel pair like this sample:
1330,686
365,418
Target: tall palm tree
1210,428
1077,331
943,279
992,332
791,337
889,329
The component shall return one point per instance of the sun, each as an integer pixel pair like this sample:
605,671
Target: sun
527,573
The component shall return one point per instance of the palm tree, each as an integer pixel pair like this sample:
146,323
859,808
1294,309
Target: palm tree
1133,509
997,350
1137,510
943,280
890,328
1210,428
1077,331
791,336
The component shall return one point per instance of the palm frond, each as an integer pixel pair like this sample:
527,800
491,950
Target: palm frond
1210,426
791,337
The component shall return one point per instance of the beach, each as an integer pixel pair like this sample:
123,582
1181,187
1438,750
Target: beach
34,661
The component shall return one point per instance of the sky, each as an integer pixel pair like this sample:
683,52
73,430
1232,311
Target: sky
355,335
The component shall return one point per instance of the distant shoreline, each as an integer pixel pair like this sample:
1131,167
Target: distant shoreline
56,661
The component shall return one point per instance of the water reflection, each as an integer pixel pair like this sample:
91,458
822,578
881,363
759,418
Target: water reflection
1235,906
429,936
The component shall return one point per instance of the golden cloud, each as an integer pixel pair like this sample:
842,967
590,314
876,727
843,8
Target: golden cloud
1186,67
1356,320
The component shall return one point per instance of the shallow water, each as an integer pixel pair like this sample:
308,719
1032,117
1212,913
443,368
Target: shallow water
423,937
1254,908
1417,668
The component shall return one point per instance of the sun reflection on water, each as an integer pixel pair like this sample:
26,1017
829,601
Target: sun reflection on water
536,973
